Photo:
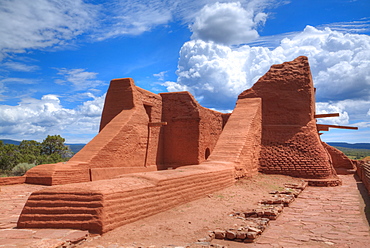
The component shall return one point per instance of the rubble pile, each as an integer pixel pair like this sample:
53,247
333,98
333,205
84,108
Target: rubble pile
257,220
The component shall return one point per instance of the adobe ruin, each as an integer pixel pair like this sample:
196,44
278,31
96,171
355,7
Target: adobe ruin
156,151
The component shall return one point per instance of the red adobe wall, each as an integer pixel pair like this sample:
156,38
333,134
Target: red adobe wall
210,128
125,144
12,180
341,163
363,171
190,130
272,128
101,206
240,141
153,107
123,141
290,142
129,143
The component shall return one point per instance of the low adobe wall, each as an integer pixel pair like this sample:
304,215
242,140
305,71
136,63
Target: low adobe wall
12,180
101,206
363,171
341,163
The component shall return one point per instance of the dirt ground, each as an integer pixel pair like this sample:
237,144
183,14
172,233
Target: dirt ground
185,224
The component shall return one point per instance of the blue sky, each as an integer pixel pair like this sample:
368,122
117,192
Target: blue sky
58,56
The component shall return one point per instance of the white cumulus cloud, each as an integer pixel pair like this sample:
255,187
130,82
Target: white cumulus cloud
227,23
36,118
339,62
329,108
216,74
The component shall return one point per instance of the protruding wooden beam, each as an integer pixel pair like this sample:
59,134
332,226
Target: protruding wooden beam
157,124
327,115
323,127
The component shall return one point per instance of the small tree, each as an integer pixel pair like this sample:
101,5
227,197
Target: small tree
9,156
51,150
21,169
54,145
30,151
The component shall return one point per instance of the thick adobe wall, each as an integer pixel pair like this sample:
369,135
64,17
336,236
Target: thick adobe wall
59,173
120,96
363,171
191,131
210,128
123,141
153,107
240,142
126,142
341,163
290,142
12,180
101,206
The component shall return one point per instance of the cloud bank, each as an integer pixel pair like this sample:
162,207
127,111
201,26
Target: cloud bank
36,118
38,24
217,64
216,72
227,24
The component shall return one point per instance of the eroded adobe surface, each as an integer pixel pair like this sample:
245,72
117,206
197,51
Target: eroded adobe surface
154,152
140,132
341,163
290,142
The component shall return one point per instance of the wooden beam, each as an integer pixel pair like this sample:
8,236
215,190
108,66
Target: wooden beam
157,124
322,127
326,115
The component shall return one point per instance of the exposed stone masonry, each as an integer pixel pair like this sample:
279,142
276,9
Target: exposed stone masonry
290,143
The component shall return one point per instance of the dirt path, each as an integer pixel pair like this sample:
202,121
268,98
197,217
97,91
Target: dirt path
320,217
185,224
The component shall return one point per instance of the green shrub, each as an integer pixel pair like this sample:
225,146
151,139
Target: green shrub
21,169
5,173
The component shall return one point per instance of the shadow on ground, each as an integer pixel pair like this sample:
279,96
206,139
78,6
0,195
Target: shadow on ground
365,196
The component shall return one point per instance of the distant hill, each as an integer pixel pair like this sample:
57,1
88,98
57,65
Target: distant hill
352,146
9,141
74,147
77,147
